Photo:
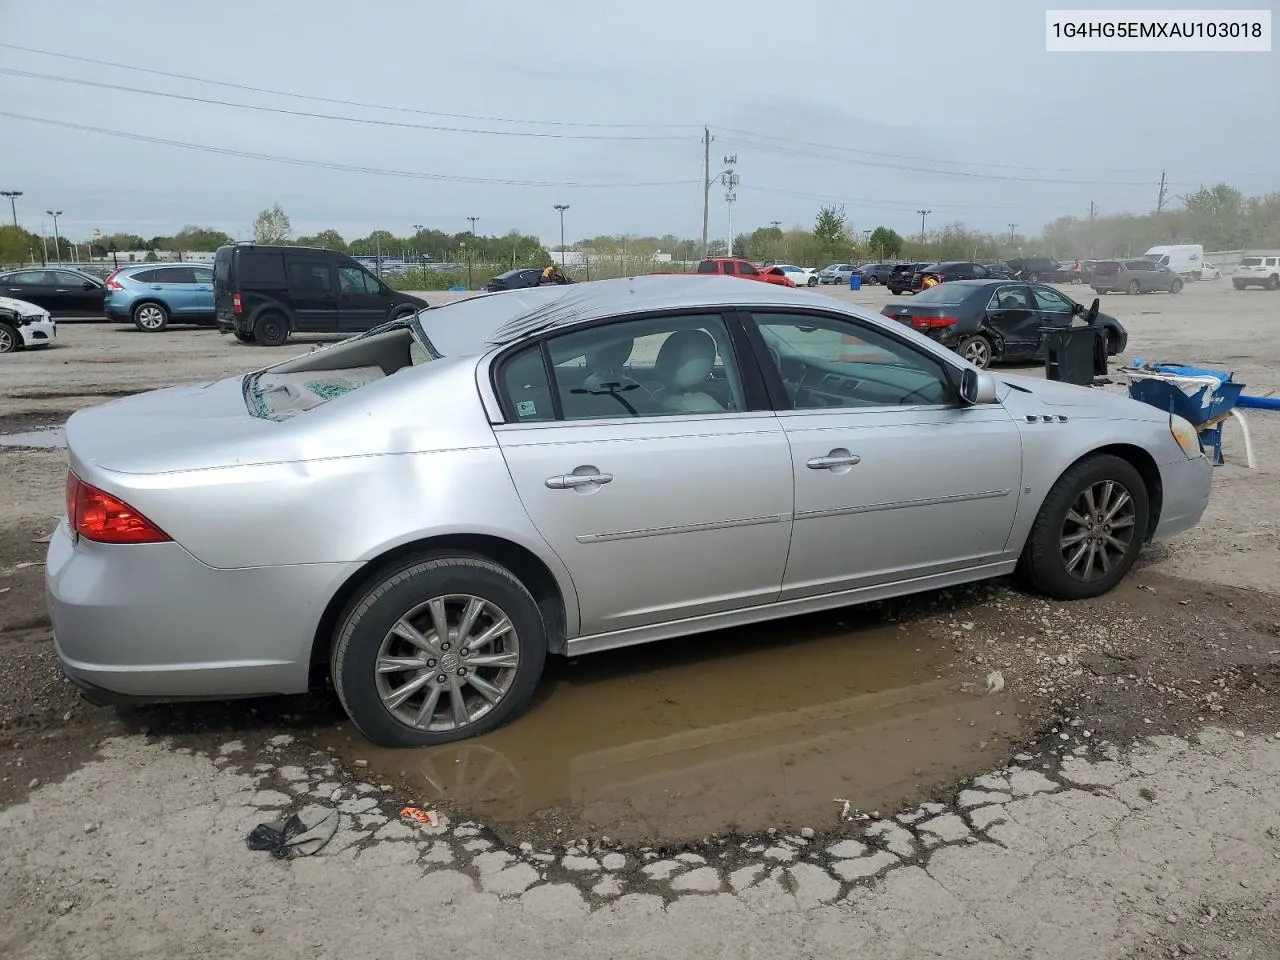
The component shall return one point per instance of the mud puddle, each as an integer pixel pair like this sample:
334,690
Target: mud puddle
46,437
736,732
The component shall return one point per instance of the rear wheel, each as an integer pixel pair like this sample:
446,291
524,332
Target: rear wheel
150,317
10,340
977,350
1089,531
1135,287
813,282
441,649
1274,282
270,330
1175,287
1033,278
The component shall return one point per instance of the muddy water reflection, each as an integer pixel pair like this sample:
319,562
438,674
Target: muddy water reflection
743,729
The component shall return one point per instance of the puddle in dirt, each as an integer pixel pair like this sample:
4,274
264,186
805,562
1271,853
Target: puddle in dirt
736,731
48,437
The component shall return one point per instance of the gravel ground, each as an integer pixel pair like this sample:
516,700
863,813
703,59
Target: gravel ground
1169,686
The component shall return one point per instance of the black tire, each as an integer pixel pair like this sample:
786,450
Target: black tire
813,282
1033,278
390,598
1274,282
1042,564
151,317
271,329
977,350
10,339
1175,287
1238,286
244,337
1134,287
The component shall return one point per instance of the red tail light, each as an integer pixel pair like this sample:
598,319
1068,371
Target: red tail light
96,515
933,323
236,305
112,282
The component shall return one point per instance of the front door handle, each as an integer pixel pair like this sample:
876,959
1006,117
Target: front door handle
567,481
834,459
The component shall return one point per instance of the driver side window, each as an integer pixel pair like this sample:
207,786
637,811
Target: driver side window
825,363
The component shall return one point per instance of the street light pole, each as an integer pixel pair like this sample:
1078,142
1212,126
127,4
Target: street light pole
923,214
562,207
13,207
57,241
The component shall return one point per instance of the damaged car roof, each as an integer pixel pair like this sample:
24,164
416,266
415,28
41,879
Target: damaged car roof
474,325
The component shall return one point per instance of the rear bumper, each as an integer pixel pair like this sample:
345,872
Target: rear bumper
150,622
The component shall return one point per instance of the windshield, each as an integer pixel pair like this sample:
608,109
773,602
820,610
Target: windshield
944,293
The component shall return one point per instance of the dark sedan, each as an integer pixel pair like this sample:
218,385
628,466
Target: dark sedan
932,274
61,291
518,280
990,320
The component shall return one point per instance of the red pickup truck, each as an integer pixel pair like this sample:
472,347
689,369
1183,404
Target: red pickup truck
737,267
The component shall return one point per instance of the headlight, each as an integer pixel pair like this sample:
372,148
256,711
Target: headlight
1186,435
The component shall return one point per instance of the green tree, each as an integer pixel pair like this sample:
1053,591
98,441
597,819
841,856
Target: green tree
17,245
272,226
885,242
830,233
329,239
198,239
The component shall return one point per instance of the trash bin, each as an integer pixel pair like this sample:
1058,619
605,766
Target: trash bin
1074,354
855,281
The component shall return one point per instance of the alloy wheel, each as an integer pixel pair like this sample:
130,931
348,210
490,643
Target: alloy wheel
1098,530
978,353
150,317
447,662
7,342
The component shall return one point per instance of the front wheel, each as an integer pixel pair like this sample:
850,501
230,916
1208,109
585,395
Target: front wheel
813,282
977,350
1175,287
1274,282
1135,287
150,317
1089,531
441,649
10,341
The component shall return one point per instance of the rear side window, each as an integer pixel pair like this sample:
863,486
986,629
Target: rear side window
261,268
174,275
706,266
309,277
144,276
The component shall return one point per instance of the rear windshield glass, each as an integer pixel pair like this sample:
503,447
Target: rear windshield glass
1251,262
943,293
261,269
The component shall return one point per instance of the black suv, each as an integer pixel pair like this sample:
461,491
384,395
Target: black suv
1041,270
263,293
899,279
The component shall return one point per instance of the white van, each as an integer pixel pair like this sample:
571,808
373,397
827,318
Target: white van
1184,259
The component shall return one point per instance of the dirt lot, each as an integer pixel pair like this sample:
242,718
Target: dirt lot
744,739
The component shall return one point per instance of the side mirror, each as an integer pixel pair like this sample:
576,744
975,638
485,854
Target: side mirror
977,386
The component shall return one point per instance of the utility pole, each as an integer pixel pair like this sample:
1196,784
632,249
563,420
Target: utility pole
1160,197
923,214
1093,213
473,225
730,180
562,207
13,207
1013,227
57,241
706,185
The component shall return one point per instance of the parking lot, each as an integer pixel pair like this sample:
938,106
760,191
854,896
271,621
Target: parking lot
700,793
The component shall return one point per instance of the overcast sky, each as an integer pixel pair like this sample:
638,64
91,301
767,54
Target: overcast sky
888,108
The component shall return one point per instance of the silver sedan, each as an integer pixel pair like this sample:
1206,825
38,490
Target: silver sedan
423,513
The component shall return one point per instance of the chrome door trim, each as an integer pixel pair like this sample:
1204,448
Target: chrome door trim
900,504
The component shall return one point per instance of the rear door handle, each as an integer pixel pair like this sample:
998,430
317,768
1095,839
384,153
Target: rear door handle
567,481
833,460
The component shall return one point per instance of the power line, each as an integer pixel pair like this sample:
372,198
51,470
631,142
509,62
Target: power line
370,121
935,172
330,165
340,102
890,205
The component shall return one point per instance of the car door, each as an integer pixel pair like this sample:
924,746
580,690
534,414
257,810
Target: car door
894,479
202,293
174,287
1013,316
642,464
311,288
361,302
80,294
1052,310
36,286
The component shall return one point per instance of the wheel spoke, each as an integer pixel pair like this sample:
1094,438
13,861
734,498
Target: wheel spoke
484,688
459,704
401,694
475,606
498,629
1072,539
1119,545
1076,518
1122,500
428,708
1104,501
407,631
439,619
502,660
1104,559
1088,561
399,664
1090,505
1121,522
1077,556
